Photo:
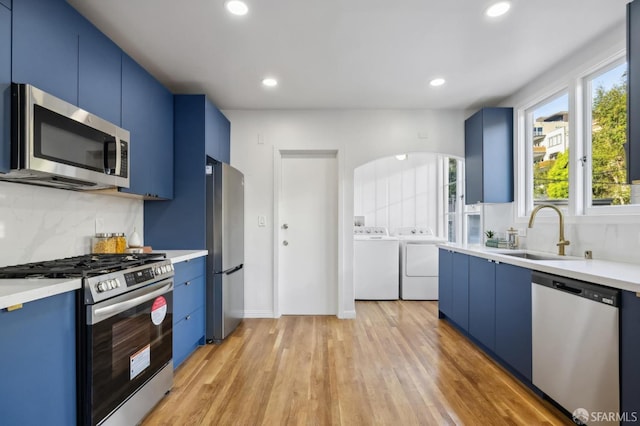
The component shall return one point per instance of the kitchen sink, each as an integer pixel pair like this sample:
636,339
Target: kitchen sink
534,256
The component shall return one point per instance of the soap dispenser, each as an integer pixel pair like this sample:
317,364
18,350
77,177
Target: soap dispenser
512,238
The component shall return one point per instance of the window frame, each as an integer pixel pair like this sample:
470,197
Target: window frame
578,209
459,196
525,199
587,207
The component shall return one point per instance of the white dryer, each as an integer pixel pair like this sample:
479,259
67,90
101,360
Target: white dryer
375,264
418,263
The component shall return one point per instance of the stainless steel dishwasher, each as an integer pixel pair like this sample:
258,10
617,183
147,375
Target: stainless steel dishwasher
575,345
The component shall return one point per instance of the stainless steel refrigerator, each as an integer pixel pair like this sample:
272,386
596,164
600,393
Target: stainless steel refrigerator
225,242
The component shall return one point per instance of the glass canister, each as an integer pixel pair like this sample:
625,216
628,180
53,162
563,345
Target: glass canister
103,243
121,242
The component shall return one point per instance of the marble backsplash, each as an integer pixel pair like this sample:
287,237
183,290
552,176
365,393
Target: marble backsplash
39,223
618,242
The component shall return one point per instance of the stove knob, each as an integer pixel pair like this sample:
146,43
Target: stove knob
158,271
171,267
113,284
163,269
108,284
117,282
101,287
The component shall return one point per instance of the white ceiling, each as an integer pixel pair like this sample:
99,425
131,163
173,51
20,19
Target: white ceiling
350,53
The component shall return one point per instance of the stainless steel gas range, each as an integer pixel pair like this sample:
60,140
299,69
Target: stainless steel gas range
124,331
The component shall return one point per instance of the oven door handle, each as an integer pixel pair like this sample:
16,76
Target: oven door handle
118,305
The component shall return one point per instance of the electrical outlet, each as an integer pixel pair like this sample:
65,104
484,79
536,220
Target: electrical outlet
522,232
260,139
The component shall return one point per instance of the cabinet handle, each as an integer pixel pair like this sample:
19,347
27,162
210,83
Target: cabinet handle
187,283
188,317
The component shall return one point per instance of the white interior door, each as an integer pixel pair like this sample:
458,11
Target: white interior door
308,230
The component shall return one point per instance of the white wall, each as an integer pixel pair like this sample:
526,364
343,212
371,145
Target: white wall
613,237
394,194
38,223
360,136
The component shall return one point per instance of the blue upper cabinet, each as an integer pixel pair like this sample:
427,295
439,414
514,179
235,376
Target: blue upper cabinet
6,3
633,86
200,130
99,74
5,91
217,133
45,46
147,113
488,143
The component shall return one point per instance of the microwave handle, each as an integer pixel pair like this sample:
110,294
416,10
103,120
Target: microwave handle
118,156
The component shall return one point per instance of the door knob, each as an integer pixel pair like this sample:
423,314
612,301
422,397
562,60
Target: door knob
285,226
285,243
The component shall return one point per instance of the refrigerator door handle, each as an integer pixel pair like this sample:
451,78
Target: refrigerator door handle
231,270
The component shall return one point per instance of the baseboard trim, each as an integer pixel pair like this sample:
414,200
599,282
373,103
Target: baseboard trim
347,315
258,314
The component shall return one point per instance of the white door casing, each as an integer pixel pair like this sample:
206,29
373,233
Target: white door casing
307,264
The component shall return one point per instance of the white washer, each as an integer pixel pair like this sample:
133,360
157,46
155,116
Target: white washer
418,263
375,264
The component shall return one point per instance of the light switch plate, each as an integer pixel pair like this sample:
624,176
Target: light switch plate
262,221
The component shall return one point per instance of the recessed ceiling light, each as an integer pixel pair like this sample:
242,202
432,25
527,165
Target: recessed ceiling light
237,7
437,82
269,82
401,157
498,9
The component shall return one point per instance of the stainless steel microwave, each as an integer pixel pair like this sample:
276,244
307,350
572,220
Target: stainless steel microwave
55,143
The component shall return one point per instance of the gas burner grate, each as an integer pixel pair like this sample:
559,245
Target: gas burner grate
79,266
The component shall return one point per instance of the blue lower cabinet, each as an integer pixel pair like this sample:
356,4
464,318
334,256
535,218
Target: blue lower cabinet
630,355
5,89
188,297
513,317
189,269
38,363
445,282
188,334
460,281
188,308
482,301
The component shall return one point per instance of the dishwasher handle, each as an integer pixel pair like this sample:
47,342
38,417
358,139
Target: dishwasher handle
567,288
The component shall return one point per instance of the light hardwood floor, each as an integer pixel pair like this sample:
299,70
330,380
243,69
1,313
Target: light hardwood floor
396,364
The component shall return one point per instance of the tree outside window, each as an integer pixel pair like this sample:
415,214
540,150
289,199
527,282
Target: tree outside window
550,136
608,137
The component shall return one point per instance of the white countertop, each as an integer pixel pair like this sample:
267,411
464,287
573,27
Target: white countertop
23,290
17,291
624,276
181,255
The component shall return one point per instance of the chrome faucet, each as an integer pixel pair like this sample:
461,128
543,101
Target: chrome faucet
562,242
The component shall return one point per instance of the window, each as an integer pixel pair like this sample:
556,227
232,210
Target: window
549,149
452,191
574,146
606,133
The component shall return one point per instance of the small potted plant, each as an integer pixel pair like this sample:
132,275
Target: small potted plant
490,241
